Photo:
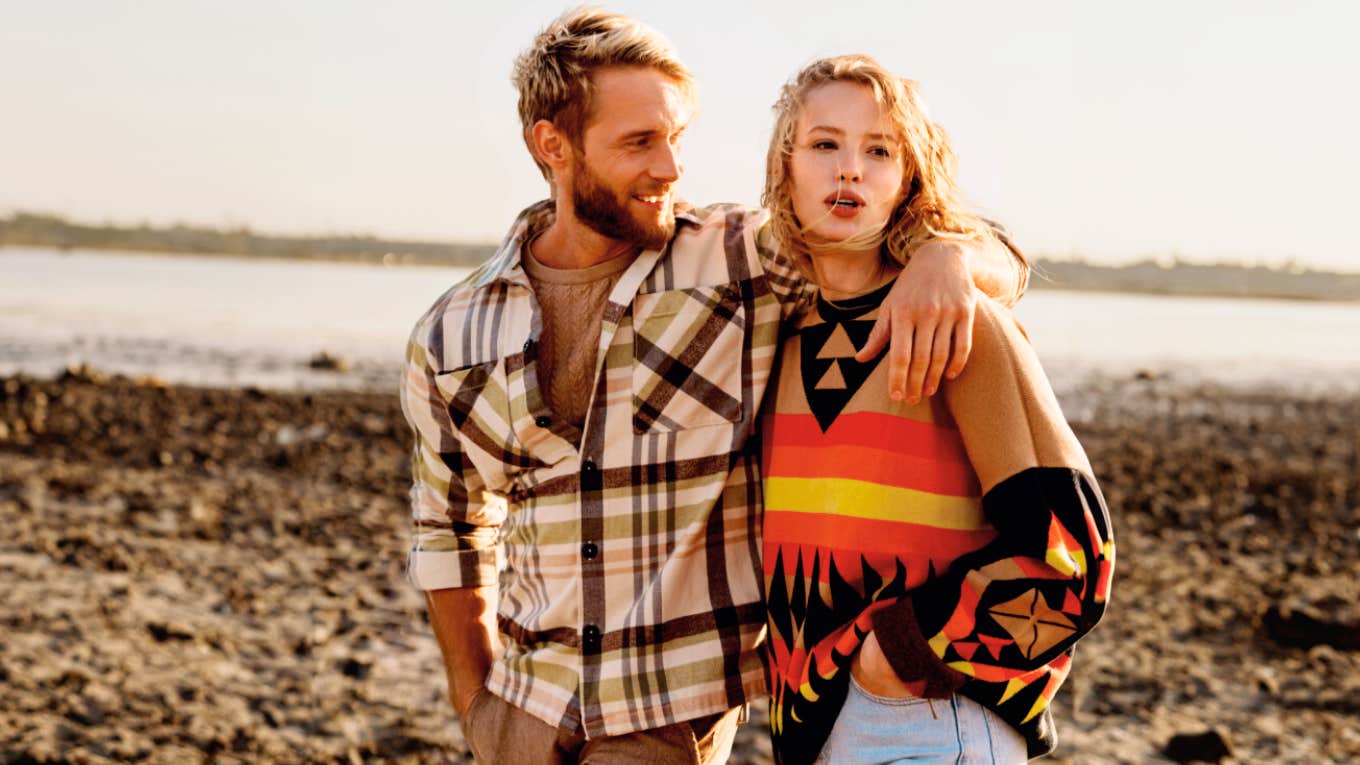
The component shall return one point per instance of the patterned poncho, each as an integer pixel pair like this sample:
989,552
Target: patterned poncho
966,531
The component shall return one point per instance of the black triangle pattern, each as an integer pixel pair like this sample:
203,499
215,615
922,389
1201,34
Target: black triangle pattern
826,405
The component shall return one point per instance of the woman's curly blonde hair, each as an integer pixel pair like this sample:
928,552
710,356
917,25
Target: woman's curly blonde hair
930,208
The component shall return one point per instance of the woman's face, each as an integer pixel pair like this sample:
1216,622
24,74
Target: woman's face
847,164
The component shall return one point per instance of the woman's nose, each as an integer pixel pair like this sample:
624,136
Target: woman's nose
848,170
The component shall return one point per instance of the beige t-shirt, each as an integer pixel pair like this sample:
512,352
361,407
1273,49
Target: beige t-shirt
572,303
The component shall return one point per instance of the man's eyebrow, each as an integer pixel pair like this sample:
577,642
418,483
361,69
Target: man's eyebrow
648,132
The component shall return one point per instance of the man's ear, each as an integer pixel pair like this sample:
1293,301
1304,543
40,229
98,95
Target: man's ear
551,146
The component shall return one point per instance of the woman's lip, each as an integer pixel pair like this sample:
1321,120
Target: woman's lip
842,194
844,211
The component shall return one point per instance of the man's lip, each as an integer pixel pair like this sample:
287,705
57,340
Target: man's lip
844,194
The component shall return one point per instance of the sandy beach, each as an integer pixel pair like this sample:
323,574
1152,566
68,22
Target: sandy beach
216,575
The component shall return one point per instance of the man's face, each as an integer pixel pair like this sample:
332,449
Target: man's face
622,176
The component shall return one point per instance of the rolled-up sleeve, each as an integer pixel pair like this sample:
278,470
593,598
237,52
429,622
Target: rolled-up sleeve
455,530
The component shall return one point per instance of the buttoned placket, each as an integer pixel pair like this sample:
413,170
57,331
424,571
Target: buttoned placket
590,497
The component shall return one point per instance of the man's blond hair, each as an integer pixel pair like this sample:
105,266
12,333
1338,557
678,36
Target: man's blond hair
553,75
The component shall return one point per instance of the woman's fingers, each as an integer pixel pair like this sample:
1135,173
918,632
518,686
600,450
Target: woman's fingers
900,355
963,345
939,356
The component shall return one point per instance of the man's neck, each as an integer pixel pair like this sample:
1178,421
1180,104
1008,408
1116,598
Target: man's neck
569,243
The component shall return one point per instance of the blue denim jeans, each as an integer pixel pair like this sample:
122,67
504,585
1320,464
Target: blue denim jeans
874,730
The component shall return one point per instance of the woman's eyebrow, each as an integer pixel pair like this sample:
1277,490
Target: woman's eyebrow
838,131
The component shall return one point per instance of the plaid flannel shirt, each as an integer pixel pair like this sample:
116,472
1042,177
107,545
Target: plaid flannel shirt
626,554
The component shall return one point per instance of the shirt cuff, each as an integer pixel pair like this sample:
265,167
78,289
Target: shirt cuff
443,569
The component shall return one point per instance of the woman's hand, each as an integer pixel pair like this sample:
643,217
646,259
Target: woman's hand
873,673
928,311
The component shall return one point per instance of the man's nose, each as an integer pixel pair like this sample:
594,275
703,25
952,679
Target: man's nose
667,166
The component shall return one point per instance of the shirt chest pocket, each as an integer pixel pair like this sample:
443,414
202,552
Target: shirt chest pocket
689,348
478,405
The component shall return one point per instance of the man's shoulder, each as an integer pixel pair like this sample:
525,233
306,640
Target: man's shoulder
462,311
485,286
719,214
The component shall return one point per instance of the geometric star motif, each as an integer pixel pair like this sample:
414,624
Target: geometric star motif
1035,627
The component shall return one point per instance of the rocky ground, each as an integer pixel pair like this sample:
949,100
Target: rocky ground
194,575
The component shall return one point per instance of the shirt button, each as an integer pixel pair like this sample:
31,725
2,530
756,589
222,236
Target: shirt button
590,637
588,466
528,344
589,550
543,421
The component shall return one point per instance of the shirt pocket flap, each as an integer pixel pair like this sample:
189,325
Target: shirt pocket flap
688,346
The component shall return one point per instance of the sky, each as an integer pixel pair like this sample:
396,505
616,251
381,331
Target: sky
1209,130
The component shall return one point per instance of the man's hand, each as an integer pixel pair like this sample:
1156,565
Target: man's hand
464,623
929,310
931,307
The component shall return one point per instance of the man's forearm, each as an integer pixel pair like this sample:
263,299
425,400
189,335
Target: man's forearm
464,623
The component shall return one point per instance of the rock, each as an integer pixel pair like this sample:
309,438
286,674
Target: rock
327,362
1208,746
83,372
1306,625
163,631
355,668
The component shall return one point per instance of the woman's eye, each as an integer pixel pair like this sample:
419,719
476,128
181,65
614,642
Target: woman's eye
824,145
880,151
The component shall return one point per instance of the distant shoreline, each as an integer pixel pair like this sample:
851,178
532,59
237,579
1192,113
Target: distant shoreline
365,259
1038,280
1147,277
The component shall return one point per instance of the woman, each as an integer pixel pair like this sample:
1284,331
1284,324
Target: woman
928,566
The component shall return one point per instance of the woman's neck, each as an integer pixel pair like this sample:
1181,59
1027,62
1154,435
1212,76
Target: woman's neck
842,274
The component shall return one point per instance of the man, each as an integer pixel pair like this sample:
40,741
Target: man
584,495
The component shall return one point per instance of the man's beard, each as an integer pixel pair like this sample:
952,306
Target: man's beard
599,208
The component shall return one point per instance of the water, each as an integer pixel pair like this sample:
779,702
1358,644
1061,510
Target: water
209,320
223,320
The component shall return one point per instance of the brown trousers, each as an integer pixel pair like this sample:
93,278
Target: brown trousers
501,733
